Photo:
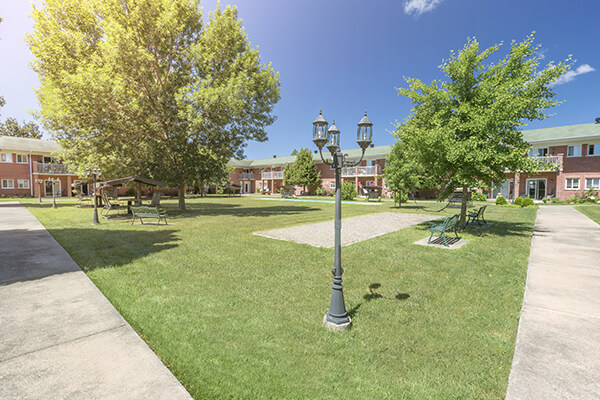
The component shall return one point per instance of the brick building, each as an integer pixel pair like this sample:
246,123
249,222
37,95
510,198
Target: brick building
573,152
26,165
267,173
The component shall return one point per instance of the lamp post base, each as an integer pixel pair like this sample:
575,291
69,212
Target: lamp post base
336,327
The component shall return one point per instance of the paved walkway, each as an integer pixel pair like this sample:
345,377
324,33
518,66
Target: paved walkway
60,338
354,229
557,355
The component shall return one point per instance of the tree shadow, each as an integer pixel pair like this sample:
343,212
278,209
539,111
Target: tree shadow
373,295
236,210
29,254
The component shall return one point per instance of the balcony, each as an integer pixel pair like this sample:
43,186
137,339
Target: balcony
272,175
51,168
553,162
247,176
373,170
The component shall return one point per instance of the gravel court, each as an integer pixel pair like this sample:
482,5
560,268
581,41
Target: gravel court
354,229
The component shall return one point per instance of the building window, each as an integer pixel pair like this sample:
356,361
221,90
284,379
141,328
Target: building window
543,152
592,183
23,184
574,151
5,157
49,160
22,158
593,149
572,184
331,185
8,184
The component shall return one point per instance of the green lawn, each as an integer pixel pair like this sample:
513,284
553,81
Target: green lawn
235,315
592,212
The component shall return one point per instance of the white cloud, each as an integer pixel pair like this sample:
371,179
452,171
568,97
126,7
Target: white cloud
418,7
570,75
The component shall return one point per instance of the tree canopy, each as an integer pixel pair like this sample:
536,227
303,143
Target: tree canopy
465,131
144,87
303,172
11,127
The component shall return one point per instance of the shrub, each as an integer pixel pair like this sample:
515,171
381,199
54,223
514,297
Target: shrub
555,200
527,201
478,197
400,197
500,201
518,201
130,192
348,191
220,190
320,191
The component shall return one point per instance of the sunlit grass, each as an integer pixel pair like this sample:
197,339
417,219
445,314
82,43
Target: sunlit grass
238,316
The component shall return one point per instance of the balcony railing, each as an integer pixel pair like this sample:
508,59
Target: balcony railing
247,176
47,168
553,161
361,171
272,175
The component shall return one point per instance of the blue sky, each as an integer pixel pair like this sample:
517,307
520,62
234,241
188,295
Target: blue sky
347,56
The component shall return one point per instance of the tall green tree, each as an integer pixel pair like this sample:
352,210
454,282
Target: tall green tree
402,174
465,130
11,127
143,87
303,172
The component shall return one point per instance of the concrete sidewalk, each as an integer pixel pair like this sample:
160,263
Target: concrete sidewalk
557,355
60,338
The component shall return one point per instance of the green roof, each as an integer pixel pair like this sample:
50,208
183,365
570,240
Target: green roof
569,132
370,153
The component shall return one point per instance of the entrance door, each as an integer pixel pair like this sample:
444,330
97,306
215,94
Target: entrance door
246,187
502,190
48,189
536,188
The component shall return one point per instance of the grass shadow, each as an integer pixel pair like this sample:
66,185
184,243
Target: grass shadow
30,254
236,210
373,295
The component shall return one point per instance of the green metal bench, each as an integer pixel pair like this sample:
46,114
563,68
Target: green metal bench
142,212
476,216
449,224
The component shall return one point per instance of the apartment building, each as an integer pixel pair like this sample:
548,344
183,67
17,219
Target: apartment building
267,173
570,155
572,164
26,166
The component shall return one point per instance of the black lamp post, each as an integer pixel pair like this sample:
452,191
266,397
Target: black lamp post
53,180
94,173
39,182
336,318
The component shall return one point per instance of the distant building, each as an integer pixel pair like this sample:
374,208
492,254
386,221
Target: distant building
572,153
23,161
266,174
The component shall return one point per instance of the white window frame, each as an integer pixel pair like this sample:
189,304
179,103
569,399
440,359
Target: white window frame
6,157
596,149
535,152
575,153
587,186
22,162
22,183
332,185
11,186
572,180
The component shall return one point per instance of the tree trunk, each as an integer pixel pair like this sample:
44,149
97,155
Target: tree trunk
138,193
181,195
463,208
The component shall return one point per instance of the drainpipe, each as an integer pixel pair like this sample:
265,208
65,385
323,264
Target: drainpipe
30,175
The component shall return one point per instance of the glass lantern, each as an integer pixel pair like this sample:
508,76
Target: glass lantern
334,139
364,133
320,132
